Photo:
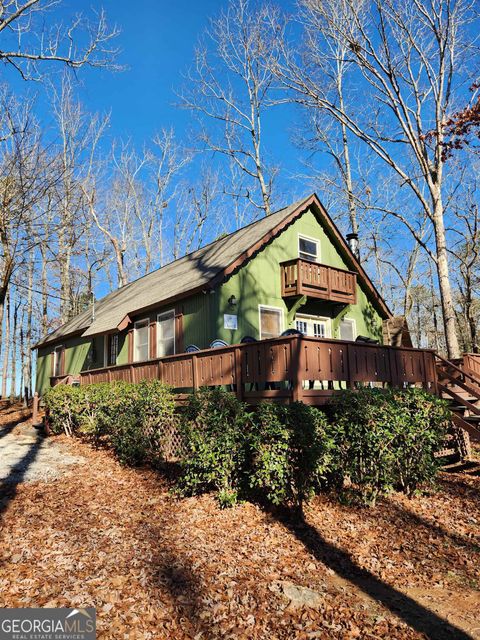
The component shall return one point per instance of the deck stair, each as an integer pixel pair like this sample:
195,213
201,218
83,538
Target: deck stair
461,388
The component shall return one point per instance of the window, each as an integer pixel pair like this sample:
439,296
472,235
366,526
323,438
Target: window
141,341
347,329
313,326
111,349
165,334
308,249
58,360
271,322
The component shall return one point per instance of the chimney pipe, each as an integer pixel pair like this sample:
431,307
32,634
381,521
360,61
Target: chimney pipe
352,241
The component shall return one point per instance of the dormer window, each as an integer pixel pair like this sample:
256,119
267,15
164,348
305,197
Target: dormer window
308,249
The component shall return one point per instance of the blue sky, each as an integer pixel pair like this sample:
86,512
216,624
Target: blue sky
157,42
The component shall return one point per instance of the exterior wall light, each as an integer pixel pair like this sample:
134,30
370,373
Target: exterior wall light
232,301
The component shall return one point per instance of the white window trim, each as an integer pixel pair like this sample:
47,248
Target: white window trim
310,239
57,350
309,316
140,323
170,312
269,308
354,325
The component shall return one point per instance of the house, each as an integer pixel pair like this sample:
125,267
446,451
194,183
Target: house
292,269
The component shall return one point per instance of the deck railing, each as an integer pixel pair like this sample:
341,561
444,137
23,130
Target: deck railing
284,369
471,364
302,277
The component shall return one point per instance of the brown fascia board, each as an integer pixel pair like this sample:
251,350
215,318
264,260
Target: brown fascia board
314,202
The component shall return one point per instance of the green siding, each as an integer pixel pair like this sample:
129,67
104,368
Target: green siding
256,283
259,283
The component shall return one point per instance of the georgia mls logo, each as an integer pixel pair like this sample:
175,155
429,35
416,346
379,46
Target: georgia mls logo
48,624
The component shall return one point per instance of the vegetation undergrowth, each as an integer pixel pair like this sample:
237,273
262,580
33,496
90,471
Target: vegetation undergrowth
372,442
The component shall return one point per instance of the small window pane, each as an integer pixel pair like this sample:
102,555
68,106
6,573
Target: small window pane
270,323
57,361
166,334
320,329
302,326
141,341
308,249
112,349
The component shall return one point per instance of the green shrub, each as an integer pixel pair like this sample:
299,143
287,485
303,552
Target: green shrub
143,422
386,439
65,405
290,452
214,428
134,418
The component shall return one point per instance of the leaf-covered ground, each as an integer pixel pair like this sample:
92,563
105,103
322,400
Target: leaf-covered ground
155,566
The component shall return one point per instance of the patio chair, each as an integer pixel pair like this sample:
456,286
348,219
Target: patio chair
217,343
291,332
192,348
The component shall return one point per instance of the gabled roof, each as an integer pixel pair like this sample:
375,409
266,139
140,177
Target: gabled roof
202,270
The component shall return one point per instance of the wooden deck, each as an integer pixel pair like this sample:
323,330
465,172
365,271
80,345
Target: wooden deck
282,369
302,277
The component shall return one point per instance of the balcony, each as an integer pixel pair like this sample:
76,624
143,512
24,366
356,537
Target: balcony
305,278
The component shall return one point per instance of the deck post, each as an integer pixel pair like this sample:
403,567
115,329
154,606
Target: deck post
35,408
194,361
238,373
297,381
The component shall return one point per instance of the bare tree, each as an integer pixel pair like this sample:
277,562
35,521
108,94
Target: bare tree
232,86
196,211
128,201
466,254
80,134
403,59
29,39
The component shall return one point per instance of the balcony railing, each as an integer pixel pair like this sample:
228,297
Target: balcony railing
283,369
302,277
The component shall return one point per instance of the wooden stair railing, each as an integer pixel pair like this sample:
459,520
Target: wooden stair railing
466,410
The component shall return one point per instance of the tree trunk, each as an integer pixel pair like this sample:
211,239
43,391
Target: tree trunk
446,297
44,287
27,381
6,350
13,387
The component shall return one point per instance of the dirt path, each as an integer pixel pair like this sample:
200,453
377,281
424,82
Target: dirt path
155,567
27,456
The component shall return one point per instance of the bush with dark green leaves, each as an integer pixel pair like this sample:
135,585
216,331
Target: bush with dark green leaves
143,423
65,404
291,452
133,418
387,439
214,429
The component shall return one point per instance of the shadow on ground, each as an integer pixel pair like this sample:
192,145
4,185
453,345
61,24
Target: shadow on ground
414,614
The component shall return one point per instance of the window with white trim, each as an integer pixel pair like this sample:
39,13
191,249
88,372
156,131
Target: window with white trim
308,249
271,322
314,326
166,334
58,360
141,341
348,330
